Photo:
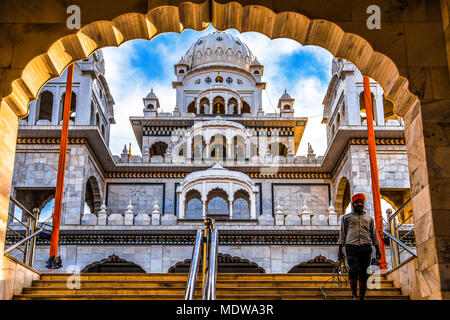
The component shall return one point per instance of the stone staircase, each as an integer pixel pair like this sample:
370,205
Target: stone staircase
108,286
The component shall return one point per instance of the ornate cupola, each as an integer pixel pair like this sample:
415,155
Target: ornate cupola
151,105
181,68
286,105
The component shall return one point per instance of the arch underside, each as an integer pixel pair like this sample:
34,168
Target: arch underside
162,19
226,264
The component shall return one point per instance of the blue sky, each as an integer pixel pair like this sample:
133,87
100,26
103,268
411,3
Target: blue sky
139,65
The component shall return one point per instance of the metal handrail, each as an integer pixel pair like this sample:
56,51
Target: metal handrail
193,269
17,244
208,239
33,228
213,263
396,244
400,243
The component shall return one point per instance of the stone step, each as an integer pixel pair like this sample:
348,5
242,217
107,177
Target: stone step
181,290
218,297
180,283
175,276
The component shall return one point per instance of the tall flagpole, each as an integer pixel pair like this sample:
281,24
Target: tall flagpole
374,170
61,165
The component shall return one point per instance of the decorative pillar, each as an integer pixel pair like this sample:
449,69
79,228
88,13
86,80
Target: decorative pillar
181,201
203,209
247,148
379,107
208,154
230,153
197,106
189,147
253,206
230,208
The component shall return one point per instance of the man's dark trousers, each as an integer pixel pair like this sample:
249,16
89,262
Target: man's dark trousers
358,258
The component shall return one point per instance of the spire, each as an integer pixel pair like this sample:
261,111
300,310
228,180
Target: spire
124,151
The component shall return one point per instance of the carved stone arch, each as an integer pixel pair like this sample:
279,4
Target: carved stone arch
192,194
44,106
73,106
158,148
191,107
278,149
318,264
214,196
343,195
215,189
113,264
241,203
226,264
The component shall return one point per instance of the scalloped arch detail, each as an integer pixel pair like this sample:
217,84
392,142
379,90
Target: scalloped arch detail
187,15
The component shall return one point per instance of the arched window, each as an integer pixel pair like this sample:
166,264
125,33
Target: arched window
218,148
204,105
362,107
241,205
343,196
256,72
254,151
103,130
217,206
92,196
181,71
245,107
73,107
218,105
194,208
191,108
158,149
217,202
278,149
233,106
239,148
286,107
338,119
45,106
198,146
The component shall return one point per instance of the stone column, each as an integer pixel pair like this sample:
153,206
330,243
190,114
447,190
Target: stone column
428,146
181,201
8,133
379,110
208,154
203,209
230,208
351,102
188,148
252,206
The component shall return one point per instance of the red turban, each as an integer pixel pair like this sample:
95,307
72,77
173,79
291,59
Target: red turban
359,196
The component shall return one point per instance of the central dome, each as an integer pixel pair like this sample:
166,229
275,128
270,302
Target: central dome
219,48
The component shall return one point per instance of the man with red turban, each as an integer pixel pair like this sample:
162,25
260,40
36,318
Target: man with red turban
358,234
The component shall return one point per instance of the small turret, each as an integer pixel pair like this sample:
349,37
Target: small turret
151,105
256,69
286,105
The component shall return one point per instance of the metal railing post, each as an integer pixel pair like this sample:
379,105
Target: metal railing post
193,269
